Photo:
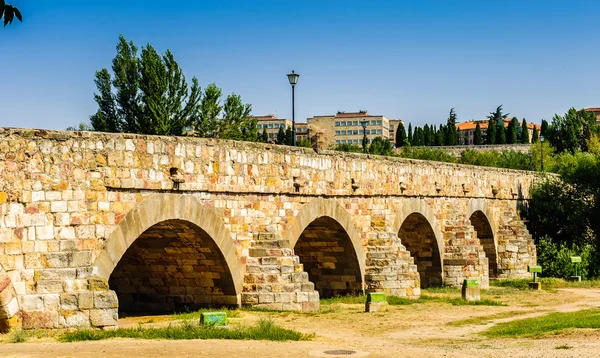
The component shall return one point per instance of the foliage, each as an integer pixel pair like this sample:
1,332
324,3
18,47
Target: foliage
149,94
81,127
555,258
525,132
511,131
490,134
381,146
544,127
264,136
428,154
478,140
401,138
451,137
280,136
552,323
289,136
263,330
9,13
304,143
487,158
348,148
410,134
571,131
535,136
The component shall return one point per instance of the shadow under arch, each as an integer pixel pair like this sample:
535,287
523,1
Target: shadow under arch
418,230
158,219
328,244
482,220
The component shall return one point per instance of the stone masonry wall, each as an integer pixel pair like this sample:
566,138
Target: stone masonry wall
73,203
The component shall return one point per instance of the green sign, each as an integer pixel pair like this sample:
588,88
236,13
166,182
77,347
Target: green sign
534,268
575,259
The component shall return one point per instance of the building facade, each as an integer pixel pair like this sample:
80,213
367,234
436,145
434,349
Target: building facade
596,111
271,124
467,129
347,128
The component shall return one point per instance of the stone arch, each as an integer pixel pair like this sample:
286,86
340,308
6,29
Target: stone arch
9,303
419,231
327,222
482,220
170,212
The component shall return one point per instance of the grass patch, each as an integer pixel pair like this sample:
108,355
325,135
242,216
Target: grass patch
455,301
564,346
360,299
185,316
548,283
553,323
264,330
18,337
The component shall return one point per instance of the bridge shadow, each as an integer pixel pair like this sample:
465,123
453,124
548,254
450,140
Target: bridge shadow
419,238
485,234
329,258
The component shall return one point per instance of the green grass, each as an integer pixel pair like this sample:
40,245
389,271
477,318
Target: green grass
360,299
455,301
263,330
554,323
548,283
20,336
185,316
485,319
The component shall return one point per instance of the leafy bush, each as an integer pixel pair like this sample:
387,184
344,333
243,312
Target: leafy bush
555,258
428,154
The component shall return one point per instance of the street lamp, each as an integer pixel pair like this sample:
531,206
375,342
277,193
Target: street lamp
542,150
364,124
293,78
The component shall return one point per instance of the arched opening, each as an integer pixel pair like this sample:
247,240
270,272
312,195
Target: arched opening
417,235
329,258
486,237
173,266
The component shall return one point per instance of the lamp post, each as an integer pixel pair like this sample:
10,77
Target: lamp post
364,124
542,150
293,78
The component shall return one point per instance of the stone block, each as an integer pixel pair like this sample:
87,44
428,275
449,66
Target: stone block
69,302
104,317
77,319
49,286
471,290
32,303
40,320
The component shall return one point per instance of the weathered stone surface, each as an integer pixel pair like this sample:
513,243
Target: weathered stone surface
92,221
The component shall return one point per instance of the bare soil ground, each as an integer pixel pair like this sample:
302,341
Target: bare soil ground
431,329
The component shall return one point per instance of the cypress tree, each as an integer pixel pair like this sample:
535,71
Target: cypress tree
500,133
478,140
400,135
410,134
265,135
426,137
451,134
490,135
511,137
289,137
534,136
281,136
524,132
544,127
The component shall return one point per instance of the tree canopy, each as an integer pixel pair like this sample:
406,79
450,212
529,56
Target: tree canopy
451,136
9,12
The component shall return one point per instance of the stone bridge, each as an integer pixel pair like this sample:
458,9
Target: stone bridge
93,225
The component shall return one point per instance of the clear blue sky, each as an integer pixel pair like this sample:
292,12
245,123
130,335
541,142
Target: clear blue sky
410,59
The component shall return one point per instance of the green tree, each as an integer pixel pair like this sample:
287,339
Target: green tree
9,13
534,136
146,95
478,138
426,136
524,132
490,134
304,143
207,124
439,137
281,136
511,137
571,131
236,123
381,146
289,136
544,127
500,133
410,134
401,139
265,136
451,135
81,127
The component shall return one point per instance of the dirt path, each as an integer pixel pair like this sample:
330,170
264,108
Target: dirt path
403,331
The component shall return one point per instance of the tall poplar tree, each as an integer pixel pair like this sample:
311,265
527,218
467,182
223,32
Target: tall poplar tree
535,136
511,132
410,134
490,134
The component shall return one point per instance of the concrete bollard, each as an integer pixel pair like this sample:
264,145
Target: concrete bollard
375,301
471,290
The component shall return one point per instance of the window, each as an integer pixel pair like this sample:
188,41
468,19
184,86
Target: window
343,132
373,123
361,132
355,141
337,141
343,124
379,131
379,122
343,141
270,125
355,132
337,124
368,132
337,132
355,123
391,127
